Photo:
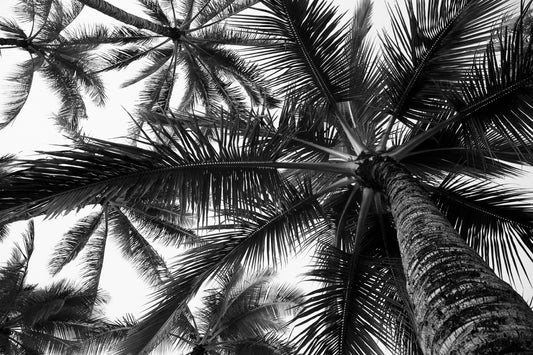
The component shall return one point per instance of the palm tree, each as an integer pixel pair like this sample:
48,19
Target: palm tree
37,320
238,314
189,42
371,158
63,64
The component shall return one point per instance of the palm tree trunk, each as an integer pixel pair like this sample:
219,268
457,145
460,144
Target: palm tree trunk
460,305
127,18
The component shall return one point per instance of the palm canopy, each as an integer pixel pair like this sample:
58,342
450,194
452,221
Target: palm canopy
54,52
449,100
193,45
45,320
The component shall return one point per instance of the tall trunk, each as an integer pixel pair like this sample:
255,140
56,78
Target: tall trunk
127,18
460,305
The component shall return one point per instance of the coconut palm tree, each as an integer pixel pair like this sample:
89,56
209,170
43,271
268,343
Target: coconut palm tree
43,320
237,314
52,53
382,161
192,44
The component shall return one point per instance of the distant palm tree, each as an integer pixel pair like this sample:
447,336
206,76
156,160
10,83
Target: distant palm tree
239,314
64,65
42,320
193,46
375,159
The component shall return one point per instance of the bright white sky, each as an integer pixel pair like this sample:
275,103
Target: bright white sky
33,131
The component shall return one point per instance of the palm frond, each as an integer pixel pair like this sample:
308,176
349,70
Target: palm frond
195,267
34,11
352,311
209,12
494,220
271,232
93,258
20,82
307,37
226,64
60,305
59,17
13,273
218,253
106,336
137,249
157,92
432,42
72,107
74,241
446,152
155,11
167,228
156,60
256,307
493,99
11,29
97,35
195,173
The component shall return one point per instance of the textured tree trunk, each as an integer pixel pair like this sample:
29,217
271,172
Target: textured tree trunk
127,18
460,305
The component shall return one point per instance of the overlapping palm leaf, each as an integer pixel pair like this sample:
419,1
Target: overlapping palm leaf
36,320
90,236
250,239
494,219
431,44
489,104
239,313
308,38
357,309
196,173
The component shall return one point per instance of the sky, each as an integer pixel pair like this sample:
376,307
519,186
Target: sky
33,131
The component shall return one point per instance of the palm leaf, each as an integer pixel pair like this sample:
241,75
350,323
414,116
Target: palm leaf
137,249
167,228
13,274
198,174
35,12
59,17
430,43
215,11
72,107
74,241
494,220
106,336
154,10
307,37
493,100
20,82
353,310
196,266
93,258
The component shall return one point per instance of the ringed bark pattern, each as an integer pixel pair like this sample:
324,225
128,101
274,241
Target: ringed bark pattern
460,304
